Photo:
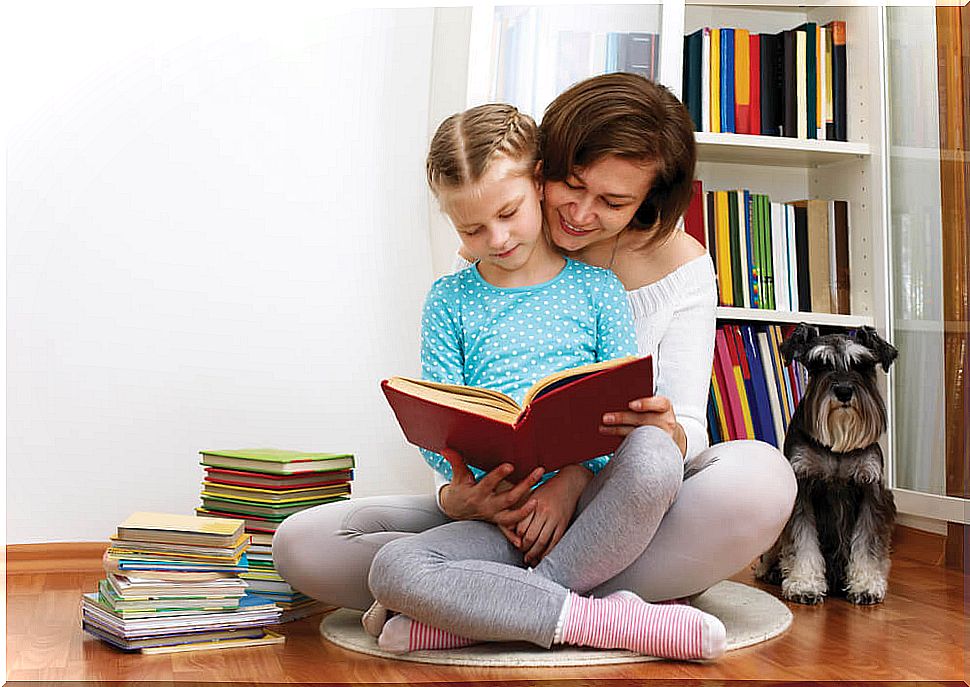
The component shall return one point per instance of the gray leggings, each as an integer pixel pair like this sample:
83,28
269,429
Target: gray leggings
639,526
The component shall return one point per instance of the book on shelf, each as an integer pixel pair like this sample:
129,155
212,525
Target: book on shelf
557,424
791,257
784,83
277,461
756,399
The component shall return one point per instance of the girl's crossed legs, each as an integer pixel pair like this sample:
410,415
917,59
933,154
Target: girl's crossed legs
721,518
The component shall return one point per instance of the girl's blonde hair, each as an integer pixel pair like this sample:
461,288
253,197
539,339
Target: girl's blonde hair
466,143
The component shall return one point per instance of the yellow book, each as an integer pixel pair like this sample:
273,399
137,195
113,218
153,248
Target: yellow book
722,228
716,81
272,495
173,528
268,637
774,332
719,407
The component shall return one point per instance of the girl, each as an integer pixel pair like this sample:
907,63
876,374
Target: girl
521,312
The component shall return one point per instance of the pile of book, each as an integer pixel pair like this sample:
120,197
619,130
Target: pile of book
753,393
791,83
790,256
173,584
263,487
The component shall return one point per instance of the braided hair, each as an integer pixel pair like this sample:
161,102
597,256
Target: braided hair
467,142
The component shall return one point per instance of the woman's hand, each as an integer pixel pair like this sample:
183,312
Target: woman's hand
652,410
555,501
491,498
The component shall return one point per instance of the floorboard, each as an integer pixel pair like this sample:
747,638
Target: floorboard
919,634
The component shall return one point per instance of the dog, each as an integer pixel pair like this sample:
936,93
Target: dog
838,536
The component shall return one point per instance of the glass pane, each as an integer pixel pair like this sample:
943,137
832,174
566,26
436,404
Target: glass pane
917,256
537,52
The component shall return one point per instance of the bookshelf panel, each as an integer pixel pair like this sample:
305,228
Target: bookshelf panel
774,150
782,317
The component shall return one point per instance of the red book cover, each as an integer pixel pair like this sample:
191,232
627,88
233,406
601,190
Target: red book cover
559,427
754,123
742,356
726,360
722,362
240,478
694,217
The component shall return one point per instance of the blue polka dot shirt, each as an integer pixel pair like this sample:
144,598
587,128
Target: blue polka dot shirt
506,339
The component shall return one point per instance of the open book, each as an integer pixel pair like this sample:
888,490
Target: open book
557,424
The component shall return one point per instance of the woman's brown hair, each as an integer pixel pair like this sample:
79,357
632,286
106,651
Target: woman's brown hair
467,142
633,118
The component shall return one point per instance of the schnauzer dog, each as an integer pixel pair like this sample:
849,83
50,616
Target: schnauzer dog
837,538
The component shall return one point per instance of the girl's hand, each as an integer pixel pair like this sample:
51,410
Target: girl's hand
556,501
491,498
652,410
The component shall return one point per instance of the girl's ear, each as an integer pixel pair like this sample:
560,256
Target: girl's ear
537,177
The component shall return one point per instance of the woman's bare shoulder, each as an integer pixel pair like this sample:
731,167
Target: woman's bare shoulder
654,263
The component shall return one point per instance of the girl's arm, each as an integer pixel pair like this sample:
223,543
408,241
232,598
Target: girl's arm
442,360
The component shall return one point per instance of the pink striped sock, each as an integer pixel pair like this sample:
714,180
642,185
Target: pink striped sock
402,635
624,621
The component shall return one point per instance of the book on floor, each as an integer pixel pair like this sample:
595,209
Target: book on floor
557,424
173,528
277,461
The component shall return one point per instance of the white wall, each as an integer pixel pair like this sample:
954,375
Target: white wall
217,237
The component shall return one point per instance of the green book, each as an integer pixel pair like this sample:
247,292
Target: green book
271,461
269,512
766,247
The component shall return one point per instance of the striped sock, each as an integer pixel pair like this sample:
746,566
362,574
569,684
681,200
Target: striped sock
624,621
402,635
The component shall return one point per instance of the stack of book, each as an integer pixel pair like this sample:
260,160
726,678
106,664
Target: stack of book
791,83
263,487
173,584
790,256
753,393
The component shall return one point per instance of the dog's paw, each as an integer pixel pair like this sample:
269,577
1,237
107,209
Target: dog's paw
803,591
807,598
865,598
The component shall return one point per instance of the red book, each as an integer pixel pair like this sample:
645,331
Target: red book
557,425
722,373
726,361
240,478
754,123
694,217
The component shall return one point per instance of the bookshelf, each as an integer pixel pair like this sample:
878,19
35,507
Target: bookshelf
787,169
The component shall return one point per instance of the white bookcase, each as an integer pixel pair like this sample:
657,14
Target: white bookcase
784,168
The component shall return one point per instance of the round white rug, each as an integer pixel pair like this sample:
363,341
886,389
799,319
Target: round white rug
749,615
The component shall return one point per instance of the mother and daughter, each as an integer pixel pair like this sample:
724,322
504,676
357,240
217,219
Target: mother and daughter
565,232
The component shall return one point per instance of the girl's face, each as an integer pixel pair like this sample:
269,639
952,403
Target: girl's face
499,218
596,202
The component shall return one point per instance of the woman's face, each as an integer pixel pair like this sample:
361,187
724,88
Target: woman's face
595,202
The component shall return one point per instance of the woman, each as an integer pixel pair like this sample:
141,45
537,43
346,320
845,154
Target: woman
618,159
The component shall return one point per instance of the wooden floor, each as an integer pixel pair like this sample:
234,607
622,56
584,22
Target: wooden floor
919,633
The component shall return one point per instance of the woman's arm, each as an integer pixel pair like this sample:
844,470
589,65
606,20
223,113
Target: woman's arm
684,355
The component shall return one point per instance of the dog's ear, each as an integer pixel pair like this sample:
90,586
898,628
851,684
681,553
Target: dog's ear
884,351
796,345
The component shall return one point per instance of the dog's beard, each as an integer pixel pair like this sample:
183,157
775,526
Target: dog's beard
843,428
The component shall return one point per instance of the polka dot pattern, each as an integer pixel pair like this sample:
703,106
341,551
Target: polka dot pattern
506,339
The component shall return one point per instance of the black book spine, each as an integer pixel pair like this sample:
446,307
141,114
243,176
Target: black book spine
839,94
789,122
801,256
